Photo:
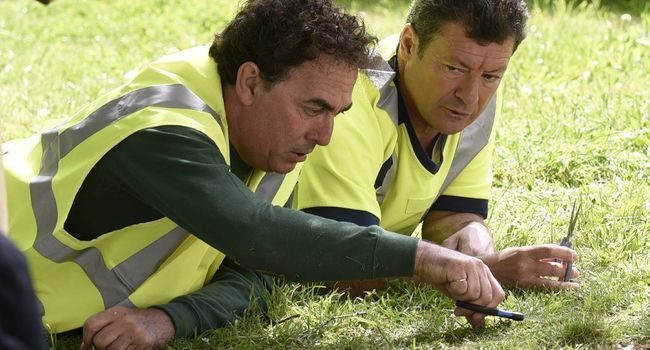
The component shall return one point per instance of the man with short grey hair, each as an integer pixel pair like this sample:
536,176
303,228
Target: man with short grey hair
416,147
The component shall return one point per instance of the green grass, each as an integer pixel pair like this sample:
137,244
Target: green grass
575,124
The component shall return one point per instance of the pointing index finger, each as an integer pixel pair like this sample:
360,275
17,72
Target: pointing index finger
94,324
553,251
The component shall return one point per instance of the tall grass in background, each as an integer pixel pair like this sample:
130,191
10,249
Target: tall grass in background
575,125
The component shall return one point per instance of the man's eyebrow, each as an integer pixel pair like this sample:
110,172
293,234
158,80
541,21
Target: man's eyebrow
322,104
346,108
497,71
326,106
459,62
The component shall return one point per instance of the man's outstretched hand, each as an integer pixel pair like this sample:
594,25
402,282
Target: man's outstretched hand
459,276
531,266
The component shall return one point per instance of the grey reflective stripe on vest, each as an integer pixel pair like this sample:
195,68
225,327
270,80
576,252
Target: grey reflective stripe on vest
381,75
269,186
381,191
473,138
117,284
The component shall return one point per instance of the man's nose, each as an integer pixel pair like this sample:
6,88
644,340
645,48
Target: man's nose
321,132
468,90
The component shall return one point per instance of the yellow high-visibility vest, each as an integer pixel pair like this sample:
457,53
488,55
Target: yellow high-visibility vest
140,265
372,164
3,198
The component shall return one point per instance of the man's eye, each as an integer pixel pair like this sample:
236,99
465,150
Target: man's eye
453,69
491,78
313,112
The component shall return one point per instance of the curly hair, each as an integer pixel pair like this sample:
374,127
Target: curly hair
278,35
485,21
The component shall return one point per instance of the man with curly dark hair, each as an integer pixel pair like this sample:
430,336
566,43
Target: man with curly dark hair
128,210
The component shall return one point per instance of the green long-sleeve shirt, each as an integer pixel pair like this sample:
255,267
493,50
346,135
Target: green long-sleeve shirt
179,173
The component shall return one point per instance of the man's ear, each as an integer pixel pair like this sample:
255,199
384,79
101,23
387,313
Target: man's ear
248,79
408,42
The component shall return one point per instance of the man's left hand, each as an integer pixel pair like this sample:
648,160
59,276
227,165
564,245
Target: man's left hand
127,328
533,266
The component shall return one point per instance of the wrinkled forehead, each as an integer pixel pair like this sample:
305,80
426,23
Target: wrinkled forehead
323,65
454,35
327,80
462,30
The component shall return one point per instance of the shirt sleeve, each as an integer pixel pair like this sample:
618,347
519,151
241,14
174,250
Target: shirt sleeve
233,291
186,179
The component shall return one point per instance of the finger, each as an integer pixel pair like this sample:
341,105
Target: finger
458,284
556,285
553,269
549,269
458,287
575,273
477,320
485,290
474,285
497,295
459,311
93,325
122,342
109,334
553,251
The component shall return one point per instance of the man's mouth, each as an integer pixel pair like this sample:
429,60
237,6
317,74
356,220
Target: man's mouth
458,113
305,151
302,154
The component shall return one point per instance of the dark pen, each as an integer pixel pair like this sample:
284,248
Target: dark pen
517,316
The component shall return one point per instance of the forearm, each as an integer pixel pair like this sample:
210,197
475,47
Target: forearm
296,245
303,247
202,195
232,291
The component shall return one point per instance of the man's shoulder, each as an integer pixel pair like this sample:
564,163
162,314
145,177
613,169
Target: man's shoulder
387,47
189,66
193,54
378,71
